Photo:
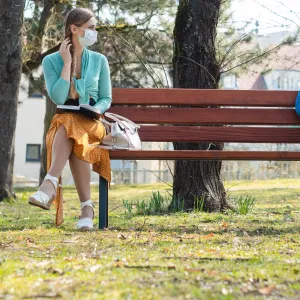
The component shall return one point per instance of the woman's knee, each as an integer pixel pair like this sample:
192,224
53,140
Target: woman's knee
62,133
61,129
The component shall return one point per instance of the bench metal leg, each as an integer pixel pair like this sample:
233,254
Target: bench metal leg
103,203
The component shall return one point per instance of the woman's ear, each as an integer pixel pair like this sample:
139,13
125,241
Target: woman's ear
73,28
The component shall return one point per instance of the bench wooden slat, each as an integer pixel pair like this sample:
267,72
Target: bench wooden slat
233,116
219,134
197,97
206,155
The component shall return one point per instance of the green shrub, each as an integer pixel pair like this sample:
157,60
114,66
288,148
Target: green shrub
244,204
157,204
199,203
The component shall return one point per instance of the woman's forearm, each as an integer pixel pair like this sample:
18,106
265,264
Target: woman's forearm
57,86
66,72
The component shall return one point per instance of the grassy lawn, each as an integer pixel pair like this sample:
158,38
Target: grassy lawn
170,256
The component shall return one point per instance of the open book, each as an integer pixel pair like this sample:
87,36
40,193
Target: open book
85,109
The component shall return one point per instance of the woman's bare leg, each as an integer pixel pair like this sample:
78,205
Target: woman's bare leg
82,176
61,150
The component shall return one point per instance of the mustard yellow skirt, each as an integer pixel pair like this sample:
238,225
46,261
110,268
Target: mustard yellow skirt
84,132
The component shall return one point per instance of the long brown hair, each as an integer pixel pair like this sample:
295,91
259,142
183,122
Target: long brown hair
77,16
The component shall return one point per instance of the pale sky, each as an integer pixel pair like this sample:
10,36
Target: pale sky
273,15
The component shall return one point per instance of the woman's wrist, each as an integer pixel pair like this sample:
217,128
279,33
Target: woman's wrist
66,71
67,64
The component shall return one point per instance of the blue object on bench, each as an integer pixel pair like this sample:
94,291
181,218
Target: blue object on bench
103,203
297,104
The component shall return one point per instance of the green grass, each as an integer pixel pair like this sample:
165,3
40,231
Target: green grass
170,256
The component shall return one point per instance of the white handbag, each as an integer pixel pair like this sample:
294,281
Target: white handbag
121,134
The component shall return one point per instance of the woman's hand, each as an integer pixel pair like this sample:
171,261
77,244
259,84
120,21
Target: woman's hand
64,51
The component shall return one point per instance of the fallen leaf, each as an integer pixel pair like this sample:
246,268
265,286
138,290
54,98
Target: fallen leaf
32,245
55,271
73,240
211,250
171,267
118,264
267,290
44,263
200,252
121,236
212,273
70,258
28,239
191,270
245,289
224,225
208,236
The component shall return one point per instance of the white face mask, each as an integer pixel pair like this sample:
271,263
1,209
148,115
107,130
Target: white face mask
89,38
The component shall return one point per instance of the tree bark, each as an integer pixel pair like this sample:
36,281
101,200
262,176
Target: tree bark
50,111
11,21
35,36
195,66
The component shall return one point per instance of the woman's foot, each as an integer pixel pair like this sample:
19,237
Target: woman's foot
46,193
87,212
47,187
85,222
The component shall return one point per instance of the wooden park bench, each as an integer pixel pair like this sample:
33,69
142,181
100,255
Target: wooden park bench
243,114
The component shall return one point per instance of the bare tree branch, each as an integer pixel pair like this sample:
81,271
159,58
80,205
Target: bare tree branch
254,58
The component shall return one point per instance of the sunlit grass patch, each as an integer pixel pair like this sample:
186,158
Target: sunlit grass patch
156,256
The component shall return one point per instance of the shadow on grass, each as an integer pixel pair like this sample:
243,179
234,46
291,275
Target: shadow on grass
18,218
189,229
260,231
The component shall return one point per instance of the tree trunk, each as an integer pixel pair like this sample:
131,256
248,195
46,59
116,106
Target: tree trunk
195,66
11,21
50,111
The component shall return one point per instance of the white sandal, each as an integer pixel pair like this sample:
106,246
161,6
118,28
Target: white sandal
40,198
86,224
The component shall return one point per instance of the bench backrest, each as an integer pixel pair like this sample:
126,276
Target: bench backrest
250,116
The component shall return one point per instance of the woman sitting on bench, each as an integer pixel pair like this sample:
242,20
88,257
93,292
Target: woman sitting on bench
81,76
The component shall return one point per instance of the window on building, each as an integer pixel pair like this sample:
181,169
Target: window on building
229,82
285,83
279,83
33,152
282,82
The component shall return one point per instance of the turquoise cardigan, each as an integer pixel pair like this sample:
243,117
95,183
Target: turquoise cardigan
94,82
